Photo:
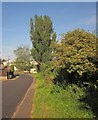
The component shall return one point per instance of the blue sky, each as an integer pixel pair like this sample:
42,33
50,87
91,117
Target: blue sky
65,17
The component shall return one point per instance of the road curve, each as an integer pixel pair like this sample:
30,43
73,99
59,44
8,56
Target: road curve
13,92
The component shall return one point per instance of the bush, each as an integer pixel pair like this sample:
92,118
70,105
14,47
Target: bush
52,101
76,53
48,73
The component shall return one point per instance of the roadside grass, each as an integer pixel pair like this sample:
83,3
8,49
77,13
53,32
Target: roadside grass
51,101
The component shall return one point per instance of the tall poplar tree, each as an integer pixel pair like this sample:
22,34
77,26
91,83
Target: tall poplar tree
42,36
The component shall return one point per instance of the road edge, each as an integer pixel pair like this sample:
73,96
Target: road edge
32,86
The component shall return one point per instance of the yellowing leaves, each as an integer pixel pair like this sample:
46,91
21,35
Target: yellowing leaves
76,52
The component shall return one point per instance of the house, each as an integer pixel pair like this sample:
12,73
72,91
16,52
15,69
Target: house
34,69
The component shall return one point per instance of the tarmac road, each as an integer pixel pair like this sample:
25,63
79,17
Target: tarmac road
13,92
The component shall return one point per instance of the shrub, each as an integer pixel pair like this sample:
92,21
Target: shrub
76,53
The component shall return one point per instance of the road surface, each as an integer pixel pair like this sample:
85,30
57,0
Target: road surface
13,92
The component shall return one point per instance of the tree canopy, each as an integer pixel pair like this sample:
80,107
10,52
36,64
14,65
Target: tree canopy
22,57
42,36
76,53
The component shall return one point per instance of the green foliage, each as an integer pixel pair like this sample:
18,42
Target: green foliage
91,98
42,36
76,53
12,68
51,101
22,57
48,72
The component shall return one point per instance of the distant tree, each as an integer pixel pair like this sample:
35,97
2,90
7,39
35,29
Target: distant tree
76,53
42,36
22,57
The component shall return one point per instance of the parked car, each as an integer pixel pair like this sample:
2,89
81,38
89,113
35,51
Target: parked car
8,71
26,71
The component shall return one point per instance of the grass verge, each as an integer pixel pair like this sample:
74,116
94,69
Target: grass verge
51,101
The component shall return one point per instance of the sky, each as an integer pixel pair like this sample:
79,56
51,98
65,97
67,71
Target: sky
65,17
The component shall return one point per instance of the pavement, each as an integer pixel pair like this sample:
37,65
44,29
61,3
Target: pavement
25,108
17,97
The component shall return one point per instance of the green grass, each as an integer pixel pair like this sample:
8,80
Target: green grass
51,101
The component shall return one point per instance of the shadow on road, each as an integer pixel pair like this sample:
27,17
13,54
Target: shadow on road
16,75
